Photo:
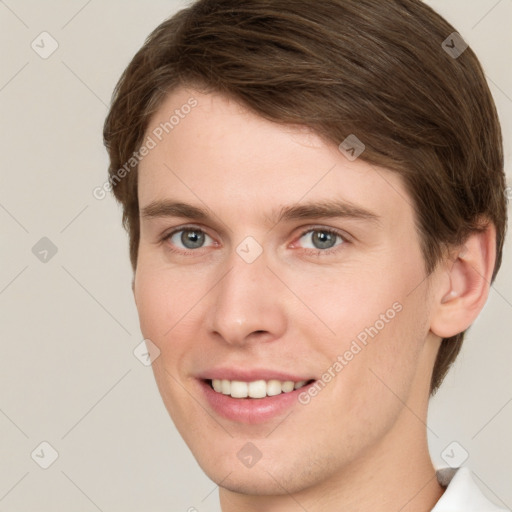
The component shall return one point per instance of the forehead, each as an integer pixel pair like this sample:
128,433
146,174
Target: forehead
210,149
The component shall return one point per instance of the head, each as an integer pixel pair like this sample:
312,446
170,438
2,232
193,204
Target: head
241,108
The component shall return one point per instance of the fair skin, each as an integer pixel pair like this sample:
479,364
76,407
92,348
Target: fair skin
360,443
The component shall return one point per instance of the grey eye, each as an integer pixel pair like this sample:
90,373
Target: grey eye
189,238
321,239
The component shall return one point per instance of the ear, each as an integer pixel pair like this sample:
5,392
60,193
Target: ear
464,284
133,288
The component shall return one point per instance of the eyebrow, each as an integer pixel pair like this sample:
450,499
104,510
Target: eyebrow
312,210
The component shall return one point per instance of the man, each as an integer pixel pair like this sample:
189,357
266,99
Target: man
314,193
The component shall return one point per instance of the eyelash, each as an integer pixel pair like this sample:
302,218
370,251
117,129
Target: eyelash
312,252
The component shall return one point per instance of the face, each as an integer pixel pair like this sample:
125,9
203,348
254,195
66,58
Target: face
271,265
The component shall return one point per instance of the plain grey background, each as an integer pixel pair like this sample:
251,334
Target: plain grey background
68,374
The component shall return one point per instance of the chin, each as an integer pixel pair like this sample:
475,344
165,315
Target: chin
272,475
253,482
255,485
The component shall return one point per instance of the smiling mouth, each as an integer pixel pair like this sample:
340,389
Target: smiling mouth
256,388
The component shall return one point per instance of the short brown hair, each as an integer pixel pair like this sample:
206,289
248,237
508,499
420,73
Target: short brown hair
365,67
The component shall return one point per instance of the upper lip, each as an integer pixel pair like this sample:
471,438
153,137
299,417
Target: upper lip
250,375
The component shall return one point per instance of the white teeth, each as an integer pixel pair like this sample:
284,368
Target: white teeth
239,389
225,387
274,387
256,388
287,386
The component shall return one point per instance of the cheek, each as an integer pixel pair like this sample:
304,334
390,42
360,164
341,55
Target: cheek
164,297
171,306
356,301
165,303
378,320
162,305
369,381
152,304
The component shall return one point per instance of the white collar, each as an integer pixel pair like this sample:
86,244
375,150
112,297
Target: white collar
462,493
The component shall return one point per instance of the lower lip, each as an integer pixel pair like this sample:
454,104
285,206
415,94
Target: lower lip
250,410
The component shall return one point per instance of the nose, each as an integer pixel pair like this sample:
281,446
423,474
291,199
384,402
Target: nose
247,303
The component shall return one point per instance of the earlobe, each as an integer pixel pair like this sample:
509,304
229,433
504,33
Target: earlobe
464,290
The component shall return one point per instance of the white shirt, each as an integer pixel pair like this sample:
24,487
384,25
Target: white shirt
462,493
